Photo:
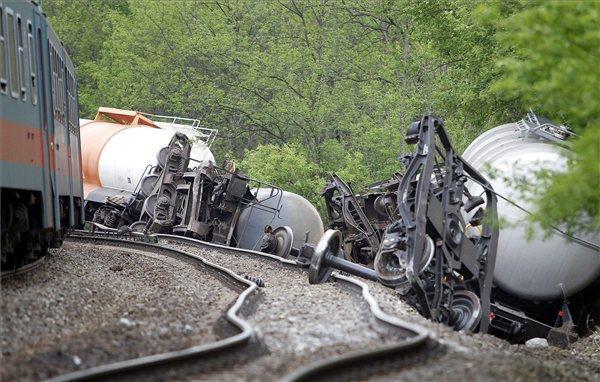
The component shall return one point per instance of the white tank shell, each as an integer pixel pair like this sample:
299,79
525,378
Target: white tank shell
296,212
536,268
125,157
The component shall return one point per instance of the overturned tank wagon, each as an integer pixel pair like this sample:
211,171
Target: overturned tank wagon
538,275
293,211
120,147
147,176
450,235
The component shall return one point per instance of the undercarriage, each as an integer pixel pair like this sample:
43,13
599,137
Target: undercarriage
433,239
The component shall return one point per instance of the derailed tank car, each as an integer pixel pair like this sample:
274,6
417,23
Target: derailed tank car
432,233
294,211
155,174
40,173
538,276
123,151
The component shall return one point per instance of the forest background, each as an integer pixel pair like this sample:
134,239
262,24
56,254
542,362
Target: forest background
301,89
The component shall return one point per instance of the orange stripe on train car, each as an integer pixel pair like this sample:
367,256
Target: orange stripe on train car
22,144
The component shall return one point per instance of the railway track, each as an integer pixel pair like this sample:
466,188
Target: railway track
394,356
393,344
414,344
244,330
22,270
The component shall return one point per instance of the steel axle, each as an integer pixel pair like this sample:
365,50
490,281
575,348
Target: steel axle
328,256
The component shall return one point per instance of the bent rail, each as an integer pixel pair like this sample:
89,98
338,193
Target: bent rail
242,338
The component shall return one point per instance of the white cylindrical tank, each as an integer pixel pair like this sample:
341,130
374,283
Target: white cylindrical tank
123,163
117,156
295,211
537,268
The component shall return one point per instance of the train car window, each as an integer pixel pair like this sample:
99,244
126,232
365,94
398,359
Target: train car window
57,83
69,103
56,90
51,54
62,91
12,53
23,66
61,79
68,97
3,69
74,110
57,69
53,84
40,52
71,94
32,68
58,94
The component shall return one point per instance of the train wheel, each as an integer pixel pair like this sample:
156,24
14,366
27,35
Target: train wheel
466,311
23,240
56,241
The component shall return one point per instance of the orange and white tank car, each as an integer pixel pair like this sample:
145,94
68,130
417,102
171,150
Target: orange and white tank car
120,147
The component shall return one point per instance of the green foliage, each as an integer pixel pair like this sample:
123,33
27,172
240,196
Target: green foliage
572,198
554,70
554,65
349,165
301,89
285,164
83,26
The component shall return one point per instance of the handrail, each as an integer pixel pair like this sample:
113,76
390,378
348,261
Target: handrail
207,135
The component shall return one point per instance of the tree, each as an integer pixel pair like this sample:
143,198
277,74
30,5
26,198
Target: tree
83,26
554,70
285,164
333,86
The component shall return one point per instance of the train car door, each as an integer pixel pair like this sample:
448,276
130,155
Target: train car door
65,92
58,128
43,68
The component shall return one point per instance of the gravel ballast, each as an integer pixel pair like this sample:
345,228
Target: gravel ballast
138,305
88,305
467,356
483,357
296,322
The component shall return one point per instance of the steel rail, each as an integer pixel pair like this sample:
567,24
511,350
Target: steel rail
416,336
146,362
24,269
205,244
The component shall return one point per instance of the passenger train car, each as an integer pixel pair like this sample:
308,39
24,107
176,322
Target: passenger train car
40,160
